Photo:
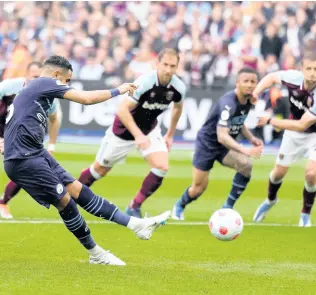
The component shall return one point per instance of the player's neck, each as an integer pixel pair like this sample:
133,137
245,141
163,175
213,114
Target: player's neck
240,97
162,84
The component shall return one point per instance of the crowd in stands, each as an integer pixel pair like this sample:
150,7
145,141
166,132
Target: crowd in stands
116,41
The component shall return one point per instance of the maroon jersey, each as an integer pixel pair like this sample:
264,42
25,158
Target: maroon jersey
301,100
152,99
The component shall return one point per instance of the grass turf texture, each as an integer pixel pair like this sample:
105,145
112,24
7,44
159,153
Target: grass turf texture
43,258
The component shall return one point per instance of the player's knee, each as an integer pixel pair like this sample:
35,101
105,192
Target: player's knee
161,169
198,189
63,202
310,177
278,173
99,170
245,168
74,188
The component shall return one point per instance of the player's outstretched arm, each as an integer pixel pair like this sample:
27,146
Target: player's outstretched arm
97,96
226,140
175,116
307,120
266,82
124,113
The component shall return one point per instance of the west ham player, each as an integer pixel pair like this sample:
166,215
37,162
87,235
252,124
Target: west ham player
30,166
8,90
216,141
136,125
299,139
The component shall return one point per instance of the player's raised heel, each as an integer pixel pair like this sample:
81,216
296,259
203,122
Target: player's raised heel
305,220
147,226
133,212
263,210
177,212
5,212
106,258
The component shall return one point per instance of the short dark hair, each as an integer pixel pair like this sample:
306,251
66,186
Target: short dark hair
34,63
309,51
170,51
249,71
58,61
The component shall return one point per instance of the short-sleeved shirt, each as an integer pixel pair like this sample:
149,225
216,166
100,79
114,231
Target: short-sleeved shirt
151,100
26,122
226,112
301,100
9,88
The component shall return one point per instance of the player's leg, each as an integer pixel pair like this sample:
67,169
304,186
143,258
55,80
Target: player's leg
112,150
10,191
157,158
243,165
203,162
38,179
102,208
199,185
293,147
309,191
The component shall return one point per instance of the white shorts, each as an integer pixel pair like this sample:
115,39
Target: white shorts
294,146
114,149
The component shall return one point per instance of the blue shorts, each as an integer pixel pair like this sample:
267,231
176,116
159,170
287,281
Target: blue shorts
204,157
41,177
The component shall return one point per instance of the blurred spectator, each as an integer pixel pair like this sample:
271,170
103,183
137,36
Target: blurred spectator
271,43
142,63
257,35
92,70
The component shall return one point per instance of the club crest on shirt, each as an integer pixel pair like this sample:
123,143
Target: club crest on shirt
59,188
152,94
225,115
169,95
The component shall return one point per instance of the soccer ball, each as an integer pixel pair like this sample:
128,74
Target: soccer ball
226,224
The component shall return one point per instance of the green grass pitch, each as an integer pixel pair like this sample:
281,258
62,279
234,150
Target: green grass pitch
39,256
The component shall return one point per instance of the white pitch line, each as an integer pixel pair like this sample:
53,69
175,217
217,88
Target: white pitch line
184,223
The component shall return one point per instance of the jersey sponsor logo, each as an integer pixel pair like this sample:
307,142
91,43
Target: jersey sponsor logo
235,129
225,115
298,104
59,188
155,106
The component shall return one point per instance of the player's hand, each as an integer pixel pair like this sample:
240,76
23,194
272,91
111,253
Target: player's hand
51,148
127,87
255,141
262,121
142,142
169,142
255,97
255,152
1,145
